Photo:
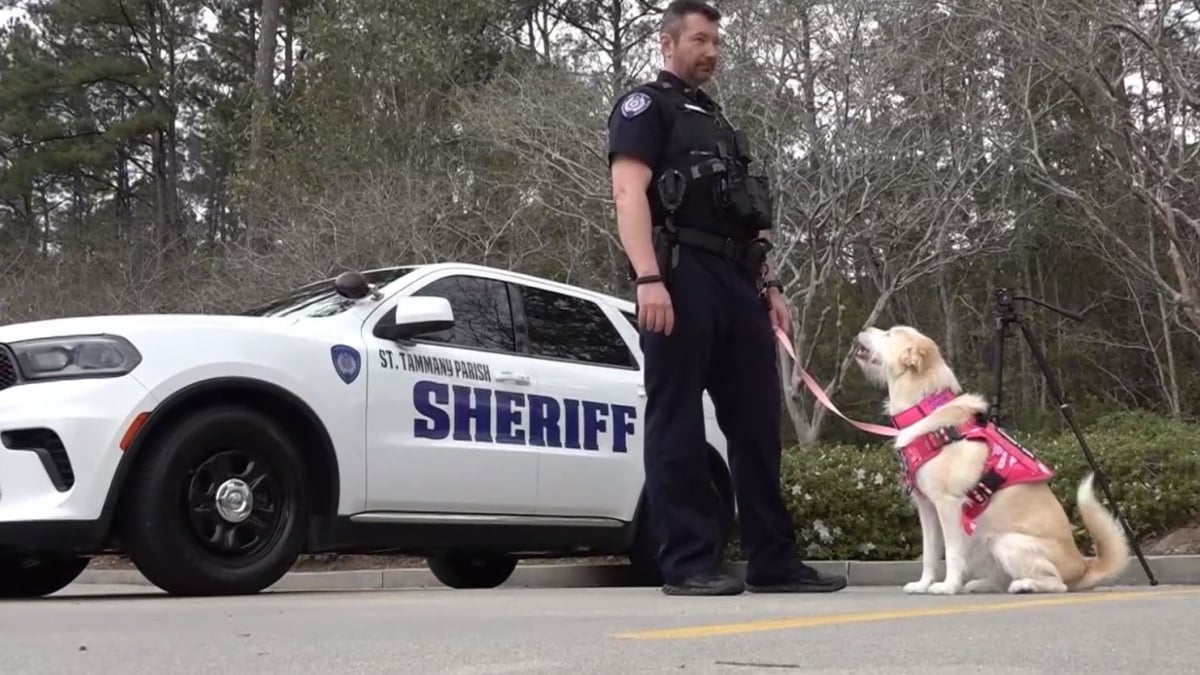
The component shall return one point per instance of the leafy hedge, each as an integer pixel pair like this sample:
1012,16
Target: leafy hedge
847,501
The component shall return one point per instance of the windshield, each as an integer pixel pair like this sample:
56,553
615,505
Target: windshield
321,299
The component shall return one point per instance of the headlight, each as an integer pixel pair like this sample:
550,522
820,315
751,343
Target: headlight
79,356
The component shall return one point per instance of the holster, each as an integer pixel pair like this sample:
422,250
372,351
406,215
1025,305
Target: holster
755,258
671,187
666,253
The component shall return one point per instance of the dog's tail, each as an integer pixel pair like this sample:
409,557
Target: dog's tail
1112,548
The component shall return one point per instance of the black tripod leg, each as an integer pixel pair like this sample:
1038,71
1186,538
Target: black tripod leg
1065,409
1001,332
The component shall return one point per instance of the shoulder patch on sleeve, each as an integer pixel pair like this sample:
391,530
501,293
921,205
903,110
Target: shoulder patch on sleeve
635,104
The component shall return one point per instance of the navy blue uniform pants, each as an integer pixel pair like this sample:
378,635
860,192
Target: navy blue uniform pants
722,342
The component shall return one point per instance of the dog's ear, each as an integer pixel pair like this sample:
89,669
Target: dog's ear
914,357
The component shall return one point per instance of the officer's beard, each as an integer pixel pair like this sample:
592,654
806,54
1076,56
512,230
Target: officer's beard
700,72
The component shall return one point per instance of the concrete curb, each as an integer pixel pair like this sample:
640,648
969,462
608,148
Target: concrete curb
1168,570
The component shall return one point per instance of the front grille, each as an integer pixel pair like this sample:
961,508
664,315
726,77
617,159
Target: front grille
49,448
8,369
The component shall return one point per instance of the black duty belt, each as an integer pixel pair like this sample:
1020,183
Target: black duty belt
729,247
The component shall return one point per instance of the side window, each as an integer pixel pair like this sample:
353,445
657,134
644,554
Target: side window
567,327
482,313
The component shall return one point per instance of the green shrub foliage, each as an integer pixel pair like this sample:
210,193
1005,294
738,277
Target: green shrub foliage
847,502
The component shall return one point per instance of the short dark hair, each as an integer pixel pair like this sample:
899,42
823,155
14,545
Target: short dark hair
675,13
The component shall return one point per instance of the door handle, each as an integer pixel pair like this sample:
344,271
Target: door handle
513,378
641,392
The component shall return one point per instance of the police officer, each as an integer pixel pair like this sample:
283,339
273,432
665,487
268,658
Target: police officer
692,222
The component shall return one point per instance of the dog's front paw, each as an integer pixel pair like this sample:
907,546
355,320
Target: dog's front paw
919,586
945,588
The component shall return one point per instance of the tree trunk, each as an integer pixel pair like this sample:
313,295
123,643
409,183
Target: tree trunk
264,76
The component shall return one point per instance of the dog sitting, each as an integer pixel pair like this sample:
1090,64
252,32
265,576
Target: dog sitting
977,492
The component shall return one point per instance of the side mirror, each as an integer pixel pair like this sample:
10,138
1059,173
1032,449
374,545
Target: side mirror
415,316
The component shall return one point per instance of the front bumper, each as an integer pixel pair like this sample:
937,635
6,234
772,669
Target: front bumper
59,450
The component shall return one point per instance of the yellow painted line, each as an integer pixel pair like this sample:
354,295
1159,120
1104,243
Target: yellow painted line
916,613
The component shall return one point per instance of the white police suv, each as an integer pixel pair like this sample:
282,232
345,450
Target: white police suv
471,415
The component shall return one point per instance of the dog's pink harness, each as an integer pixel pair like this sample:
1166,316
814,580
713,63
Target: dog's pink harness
1008,463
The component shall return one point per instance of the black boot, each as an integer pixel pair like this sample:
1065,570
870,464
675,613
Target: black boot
711,583
804,579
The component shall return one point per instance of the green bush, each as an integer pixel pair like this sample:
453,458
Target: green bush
847,501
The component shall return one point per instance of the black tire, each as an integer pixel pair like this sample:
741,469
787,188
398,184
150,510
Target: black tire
466,570
36,575
643,554
171,506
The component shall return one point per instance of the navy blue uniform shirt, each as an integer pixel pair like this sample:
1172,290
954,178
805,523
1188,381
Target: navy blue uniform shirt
639,125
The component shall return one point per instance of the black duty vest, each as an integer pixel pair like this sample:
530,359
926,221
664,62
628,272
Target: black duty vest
700,153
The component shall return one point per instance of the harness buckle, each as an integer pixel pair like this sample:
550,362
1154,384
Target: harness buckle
949,435
988,485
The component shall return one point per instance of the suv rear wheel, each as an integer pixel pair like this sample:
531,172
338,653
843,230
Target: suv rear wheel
467,570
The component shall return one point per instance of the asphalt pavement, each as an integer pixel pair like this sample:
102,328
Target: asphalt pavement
93,628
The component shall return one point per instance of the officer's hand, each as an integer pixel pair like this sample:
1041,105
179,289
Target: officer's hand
654,308
781,315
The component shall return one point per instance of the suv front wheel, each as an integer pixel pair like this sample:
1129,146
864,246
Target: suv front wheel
218,505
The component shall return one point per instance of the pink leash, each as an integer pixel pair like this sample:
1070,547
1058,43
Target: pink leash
823,398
